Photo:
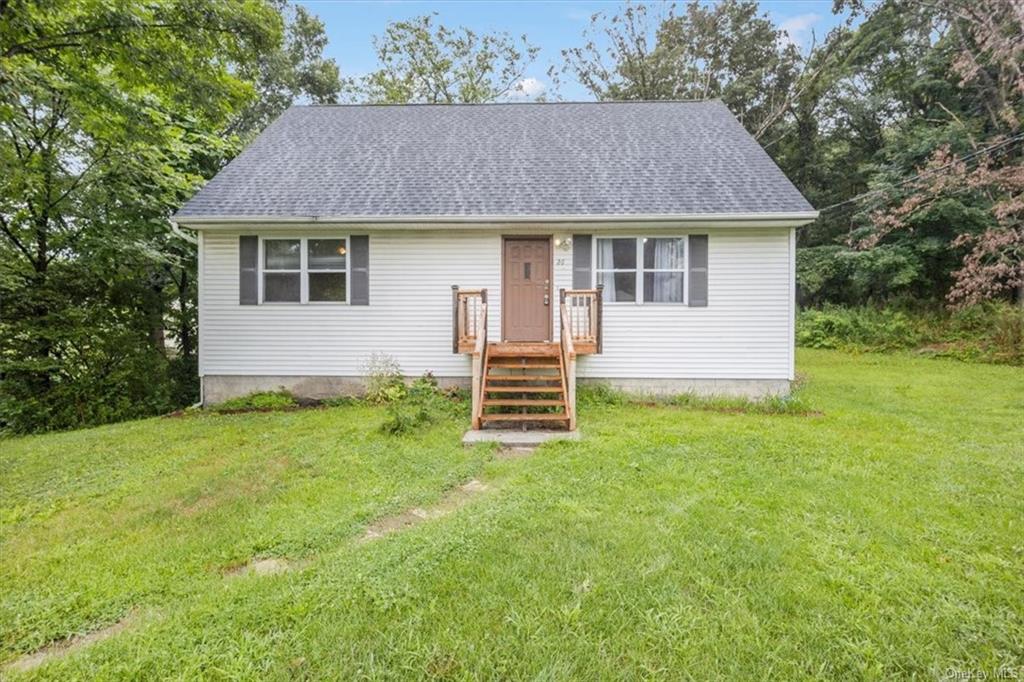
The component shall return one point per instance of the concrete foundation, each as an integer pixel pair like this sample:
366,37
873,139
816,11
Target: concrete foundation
754,389
218,388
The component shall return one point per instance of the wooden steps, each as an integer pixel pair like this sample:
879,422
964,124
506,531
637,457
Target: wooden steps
534,363
524,383
538,417
520,389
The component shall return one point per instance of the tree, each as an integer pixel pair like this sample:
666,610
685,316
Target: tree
295,70
421,61
953,169
993,265
726,50
110,117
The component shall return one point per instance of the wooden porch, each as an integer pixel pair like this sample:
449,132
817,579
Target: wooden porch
528,384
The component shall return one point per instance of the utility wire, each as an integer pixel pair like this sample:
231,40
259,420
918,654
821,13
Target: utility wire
851,209
1019,136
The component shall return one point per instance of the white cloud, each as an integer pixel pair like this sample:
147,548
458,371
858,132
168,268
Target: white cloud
528,88
796,28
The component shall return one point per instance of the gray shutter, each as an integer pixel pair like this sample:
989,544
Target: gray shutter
359,252
248,270
698,270
582,259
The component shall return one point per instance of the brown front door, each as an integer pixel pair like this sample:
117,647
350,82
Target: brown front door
526,290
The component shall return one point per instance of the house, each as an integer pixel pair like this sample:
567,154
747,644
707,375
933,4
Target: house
516,248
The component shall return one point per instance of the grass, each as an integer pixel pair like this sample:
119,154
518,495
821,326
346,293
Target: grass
875,534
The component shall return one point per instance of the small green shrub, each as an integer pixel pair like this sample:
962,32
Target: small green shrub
341,401
422,404
263,400
384,379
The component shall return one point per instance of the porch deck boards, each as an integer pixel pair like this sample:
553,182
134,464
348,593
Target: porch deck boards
516,349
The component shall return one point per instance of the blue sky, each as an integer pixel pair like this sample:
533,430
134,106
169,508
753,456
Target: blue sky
551,26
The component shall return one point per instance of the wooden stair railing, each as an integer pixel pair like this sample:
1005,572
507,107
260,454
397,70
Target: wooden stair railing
526,383
567,359
584,318
469,318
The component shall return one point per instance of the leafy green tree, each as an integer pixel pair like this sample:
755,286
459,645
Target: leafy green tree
949,178
422,61
110,117
727,50
293,71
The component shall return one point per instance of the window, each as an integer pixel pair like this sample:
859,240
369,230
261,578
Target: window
664,269
616,269
642,270
313,270
282,270
328,263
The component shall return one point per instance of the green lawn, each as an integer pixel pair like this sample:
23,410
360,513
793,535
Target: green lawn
882,538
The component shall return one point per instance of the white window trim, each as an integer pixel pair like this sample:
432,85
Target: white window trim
639,270
304,269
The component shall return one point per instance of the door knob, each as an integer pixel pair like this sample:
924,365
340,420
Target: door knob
547,300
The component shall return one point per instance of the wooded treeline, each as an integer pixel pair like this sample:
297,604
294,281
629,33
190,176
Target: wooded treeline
904,125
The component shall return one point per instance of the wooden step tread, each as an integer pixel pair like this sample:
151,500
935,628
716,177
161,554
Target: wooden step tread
524,377
522,402
522,350
529,364
523,389
549,417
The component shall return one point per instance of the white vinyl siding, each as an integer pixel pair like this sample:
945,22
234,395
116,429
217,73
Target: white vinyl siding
744,333
409,315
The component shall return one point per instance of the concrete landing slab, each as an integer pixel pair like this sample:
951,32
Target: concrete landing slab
512,438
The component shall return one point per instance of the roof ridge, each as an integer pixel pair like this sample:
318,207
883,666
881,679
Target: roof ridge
503,104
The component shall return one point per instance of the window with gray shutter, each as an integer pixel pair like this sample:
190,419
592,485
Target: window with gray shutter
248,270
698,270
360,294
582,261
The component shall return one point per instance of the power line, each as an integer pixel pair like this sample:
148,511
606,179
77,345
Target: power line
851,209
1019,136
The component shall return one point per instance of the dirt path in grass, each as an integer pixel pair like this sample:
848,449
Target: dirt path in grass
412,517
70,645
452,501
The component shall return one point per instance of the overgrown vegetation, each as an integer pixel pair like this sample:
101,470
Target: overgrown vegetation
383,377
421,404
262,401
988,333
603,395
877,540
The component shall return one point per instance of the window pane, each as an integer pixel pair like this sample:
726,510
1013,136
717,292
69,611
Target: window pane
327,254
618,286
616,254
663,287
281,254
327,286
664,254
281,286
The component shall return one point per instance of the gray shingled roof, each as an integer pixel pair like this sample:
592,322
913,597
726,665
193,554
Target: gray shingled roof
564,159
